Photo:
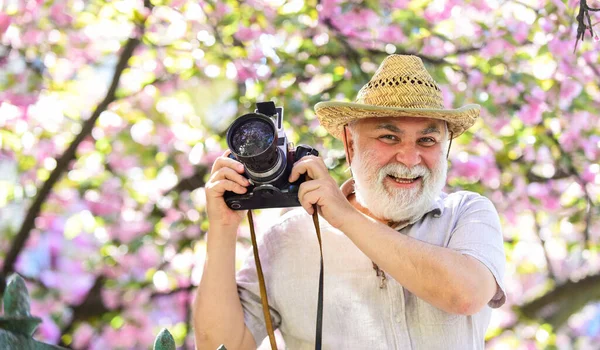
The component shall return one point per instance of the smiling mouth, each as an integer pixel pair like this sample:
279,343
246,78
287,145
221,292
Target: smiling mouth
402,180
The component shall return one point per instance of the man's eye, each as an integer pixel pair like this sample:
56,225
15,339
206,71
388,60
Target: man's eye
389,137
427,141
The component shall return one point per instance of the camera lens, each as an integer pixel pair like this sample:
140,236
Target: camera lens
252,138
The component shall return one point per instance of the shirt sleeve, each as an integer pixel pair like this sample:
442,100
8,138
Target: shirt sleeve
249,291
478,234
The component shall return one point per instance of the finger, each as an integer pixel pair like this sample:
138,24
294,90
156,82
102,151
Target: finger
313,166
223,161
230,174
309,200
308,186
314,188
217,188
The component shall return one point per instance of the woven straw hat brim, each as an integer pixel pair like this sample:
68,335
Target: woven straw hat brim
333,115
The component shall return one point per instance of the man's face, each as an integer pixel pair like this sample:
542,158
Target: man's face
398,164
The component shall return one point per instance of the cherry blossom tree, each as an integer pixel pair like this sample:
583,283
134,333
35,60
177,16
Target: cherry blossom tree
112,113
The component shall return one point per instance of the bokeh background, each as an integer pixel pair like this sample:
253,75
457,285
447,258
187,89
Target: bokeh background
112,113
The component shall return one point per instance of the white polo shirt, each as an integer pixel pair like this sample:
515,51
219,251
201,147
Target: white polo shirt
357,313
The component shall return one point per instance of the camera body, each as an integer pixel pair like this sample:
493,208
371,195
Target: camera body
258,141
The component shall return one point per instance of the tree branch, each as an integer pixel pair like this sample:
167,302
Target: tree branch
556,306
190,183
581,182
584,12
62,164
429,59
538,229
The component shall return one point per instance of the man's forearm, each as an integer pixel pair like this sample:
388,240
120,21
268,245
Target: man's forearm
218,313
441,276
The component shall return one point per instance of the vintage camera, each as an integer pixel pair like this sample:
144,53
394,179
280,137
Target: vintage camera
258,141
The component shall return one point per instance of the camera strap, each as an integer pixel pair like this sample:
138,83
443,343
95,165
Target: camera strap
263,289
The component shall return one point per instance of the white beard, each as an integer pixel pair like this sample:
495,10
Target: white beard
395,204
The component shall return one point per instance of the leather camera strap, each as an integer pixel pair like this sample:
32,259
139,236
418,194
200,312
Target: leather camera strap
261,283
319,331
263,289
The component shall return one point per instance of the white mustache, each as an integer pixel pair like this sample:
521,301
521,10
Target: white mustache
401,171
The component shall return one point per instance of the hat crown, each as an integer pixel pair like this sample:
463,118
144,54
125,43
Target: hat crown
401,81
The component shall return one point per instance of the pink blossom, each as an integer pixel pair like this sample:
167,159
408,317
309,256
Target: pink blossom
4,22
149,256
447,96
472,168
495,47
547,25
497,124
48,331
545,195
245,70
475,78
519,30
193,232
328,8
221,9
128,231
111,298
436,15
32,37
108,200
164,138
122,163
433,46
356,23
399,4
186,169
82,336
19,99
122,338
531,114
59,15
248,33
538,93
588,175
391,34
569,89
551,203
138,299
529,153
491,176
590,147
560,47
79,284
86,146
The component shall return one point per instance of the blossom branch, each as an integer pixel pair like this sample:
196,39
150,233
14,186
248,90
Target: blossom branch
538,229
571,168
584,13
62,163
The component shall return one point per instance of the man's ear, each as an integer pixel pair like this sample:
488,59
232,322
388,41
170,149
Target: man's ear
348,145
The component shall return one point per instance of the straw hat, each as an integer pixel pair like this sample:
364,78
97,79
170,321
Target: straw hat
401,87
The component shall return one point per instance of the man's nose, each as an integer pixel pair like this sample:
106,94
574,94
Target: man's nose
408,155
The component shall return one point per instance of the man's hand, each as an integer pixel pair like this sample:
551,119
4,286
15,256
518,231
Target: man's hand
225,176
321,189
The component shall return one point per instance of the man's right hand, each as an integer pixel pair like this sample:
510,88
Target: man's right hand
224,176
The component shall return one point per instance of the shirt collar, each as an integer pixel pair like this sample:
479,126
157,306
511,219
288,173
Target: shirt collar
436,208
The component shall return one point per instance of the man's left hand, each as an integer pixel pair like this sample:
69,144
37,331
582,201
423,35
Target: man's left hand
321,189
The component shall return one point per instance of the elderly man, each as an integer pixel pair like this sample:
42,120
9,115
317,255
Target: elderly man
406,265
